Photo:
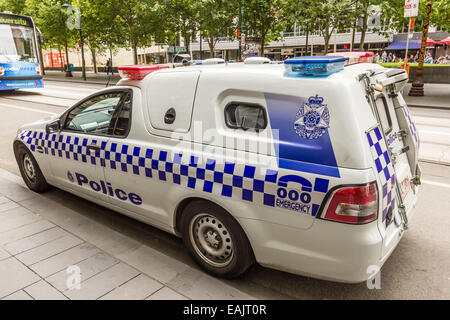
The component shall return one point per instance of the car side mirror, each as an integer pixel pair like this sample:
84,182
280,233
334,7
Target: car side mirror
54,126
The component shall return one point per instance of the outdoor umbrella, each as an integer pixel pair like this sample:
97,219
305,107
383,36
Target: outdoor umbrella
445,41
430,41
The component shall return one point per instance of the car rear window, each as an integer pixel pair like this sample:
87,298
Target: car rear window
383,111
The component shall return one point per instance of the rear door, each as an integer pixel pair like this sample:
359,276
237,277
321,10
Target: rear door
397,193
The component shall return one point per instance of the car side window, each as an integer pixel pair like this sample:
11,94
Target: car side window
383,111
245,116
120,124
94,115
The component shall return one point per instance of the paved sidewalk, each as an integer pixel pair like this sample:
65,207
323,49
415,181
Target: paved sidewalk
436,95
91,77
40,239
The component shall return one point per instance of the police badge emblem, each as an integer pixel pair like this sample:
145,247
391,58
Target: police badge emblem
312,119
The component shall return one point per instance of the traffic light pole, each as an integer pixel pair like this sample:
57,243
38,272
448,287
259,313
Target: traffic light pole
240,31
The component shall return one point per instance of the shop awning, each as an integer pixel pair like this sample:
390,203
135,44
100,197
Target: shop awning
401,45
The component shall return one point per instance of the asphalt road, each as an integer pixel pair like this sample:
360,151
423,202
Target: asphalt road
418,269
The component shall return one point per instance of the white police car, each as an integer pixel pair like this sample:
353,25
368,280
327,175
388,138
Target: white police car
308,167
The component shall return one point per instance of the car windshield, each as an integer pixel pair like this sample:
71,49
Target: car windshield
17,44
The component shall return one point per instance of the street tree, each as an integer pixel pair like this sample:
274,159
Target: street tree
183,19
216,19
51,18
137,22
264,20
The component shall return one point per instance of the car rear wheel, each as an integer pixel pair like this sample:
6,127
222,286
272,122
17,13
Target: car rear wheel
30,171
215,239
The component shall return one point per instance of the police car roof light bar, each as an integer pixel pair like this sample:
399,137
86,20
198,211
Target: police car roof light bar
313,66
138,72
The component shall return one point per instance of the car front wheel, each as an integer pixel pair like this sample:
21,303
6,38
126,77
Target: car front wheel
30,171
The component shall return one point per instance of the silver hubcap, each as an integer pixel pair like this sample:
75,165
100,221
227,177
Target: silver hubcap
211,240
29,167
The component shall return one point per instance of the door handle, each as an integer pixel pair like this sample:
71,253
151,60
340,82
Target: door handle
93,147
40,149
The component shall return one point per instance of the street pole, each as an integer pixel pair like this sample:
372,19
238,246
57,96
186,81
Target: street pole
354,29
307,36
83,65
240,32
417,85
407,43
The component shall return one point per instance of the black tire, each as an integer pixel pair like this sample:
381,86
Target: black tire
35,181
237,252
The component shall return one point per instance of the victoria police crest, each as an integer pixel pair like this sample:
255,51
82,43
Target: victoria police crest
312,119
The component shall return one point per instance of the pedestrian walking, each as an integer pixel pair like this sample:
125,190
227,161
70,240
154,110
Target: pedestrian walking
384,57
108,67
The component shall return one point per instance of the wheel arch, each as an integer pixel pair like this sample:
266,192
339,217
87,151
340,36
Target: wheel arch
185,202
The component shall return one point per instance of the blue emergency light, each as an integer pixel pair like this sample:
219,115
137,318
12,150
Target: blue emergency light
314,66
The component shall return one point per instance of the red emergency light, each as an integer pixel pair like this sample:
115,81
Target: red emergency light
138,72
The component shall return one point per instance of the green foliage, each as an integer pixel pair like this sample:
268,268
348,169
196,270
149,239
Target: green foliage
266,19
216,20
139,23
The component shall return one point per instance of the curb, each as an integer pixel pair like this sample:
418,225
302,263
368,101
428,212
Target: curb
428,107
112,82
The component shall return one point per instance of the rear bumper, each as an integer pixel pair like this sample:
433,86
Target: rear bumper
328,250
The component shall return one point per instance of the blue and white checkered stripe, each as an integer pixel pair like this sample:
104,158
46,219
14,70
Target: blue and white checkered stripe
226,179
385,169
413,129
240,182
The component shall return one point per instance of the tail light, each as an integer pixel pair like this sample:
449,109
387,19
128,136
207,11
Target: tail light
355,205
38,69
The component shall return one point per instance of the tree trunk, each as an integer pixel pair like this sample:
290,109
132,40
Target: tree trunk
186,43
60,59
94,60
211,46
364,30
326,37
263,40
67,51
134,47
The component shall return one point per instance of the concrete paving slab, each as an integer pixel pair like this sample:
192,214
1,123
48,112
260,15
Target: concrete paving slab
14,276
17,221
16,192
136,289
25,231
18,295
34,241
159,266
196,284
49,249
14,212
166,294
43,291
7,206
89,268
102,283
91,231
4,254
3,199
64,259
